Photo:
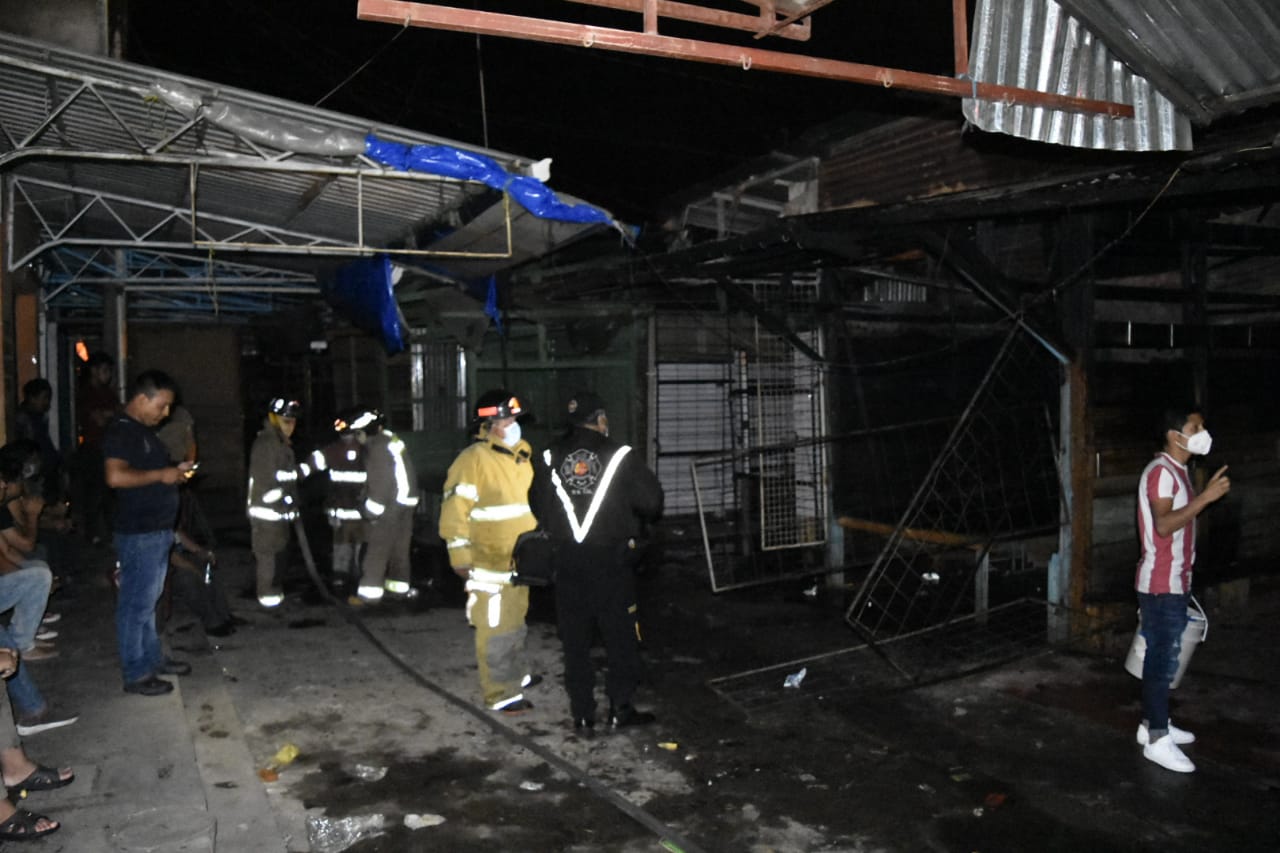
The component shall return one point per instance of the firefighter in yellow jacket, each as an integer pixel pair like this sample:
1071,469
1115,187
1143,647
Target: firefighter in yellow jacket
485,507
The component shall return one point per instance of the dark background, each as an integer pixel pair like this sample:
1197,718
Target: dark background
625,131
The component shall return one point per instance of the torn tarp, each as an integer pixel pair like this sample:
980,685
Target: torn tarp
362,292
452,162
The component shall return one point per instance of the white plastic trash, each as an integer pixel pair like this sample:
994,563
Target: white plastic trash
794,679
1196,632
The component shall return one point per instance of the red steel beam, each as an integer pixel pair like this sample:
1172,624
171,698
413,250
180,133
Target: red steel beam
582,35
808,10
960,35
704,15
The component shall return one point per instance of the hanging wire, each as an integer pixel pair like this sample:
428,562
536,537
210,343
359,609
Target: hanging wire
484,109
377,53
213,282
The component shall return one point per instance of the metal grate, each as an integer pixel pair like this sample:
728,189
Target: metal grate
438,386
995,479
1008,632
739,432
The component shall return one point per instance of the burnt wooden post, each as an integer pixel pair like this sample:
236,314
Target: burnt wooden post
1076,446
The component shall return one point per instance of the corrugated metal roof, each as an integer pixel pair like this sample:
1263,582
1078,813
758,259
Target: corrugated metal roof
1211,58
97,157
1036,44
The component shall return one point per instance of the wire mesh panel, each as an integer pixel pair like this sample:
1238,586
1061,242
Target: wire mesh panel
739,429
994,479
786,421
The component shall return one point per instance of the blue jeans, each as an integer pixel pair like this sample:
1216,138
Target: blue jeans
24,696
144,559
1164,617
26,592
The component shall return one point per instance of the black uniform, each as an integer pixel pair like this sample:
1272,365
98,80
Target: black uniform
612,494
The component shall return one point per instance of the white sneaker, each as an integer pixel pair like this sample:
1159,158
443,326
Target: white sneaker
1166,753
1182,737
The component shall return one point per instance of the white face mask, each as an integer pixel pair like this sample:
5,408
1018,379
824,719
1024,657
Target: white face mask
511,434
1198,444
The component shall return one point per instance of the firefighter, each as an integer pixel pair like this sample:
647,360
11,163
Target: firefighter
484,508
274,475
391,498
343,462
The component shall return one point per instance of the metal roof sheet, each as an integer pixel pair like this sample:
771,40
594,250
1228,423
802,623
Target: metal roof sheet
1036,44
1211,58
98,157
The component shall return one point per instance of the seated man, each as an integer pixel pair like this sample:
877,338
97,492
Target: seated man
24,582
31,711
22,775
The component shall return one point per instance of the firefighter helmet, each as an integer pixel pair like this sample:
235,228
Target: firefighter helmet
497,404
284,407
358,419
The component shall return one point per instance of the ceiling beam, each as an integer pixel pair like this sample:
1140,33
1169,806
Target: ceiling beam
437,17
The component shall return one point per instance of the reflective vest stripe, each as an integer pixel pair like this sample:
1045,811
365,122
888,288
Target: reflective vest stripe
500,512
580,531
348,476
402,475
464,490
489,576
265,513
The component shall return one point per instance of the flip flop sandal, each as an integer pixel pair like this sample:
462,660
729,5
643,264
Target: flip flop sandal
41,779
22,826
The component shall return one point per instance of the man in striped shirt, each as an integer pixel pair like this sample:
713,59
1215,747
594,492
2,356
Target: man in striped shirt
1167,510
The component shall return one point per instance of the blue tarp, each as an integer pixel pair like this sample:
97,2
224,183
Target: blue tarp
452,162
362,292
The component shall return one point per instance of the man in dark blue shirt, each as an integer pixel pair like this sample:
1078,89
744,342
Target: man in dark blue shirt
137,467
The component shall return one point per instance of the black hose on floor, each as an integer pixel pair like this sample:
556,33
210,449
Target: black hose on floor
667,837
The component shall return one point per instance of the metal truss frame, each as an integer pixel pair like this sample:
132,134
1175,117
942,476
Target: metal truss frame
75,277
72,112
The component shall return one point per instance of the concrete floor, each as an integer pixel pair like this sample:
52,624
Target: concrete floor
1033,755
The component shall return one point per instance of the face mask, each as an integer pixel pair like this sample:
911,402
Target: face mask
1199,443
511,435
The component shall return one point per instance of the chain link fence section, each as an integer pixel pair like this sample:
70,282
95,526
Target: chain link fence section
995,479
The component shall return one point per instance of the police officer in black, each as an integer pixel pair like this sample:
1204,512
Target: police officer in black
593,497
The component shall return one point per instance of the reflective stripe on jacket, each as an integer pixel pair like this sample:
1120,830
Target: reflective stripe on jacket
273,477
391,476
343,461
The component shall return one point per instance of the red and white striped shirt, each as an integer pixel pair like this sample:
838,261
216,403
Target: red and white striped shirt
1166,560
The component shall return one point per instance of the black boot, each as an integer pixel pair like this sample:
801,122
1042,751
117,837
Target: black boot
627,715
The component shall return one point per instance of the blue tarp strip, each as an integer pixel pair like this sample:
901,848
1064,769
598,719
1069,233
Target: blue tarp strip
531,193
362,291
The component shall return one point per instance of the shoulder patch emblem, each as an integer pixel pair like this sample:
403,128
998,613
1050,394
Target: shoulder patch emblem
580,471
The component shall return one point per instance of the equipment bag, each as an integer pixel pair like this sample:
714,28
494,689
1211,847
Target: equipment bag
534,559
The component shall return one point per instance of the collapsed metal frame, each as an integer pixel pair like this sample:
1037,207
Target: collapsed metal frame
62,111
997,479
770,23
